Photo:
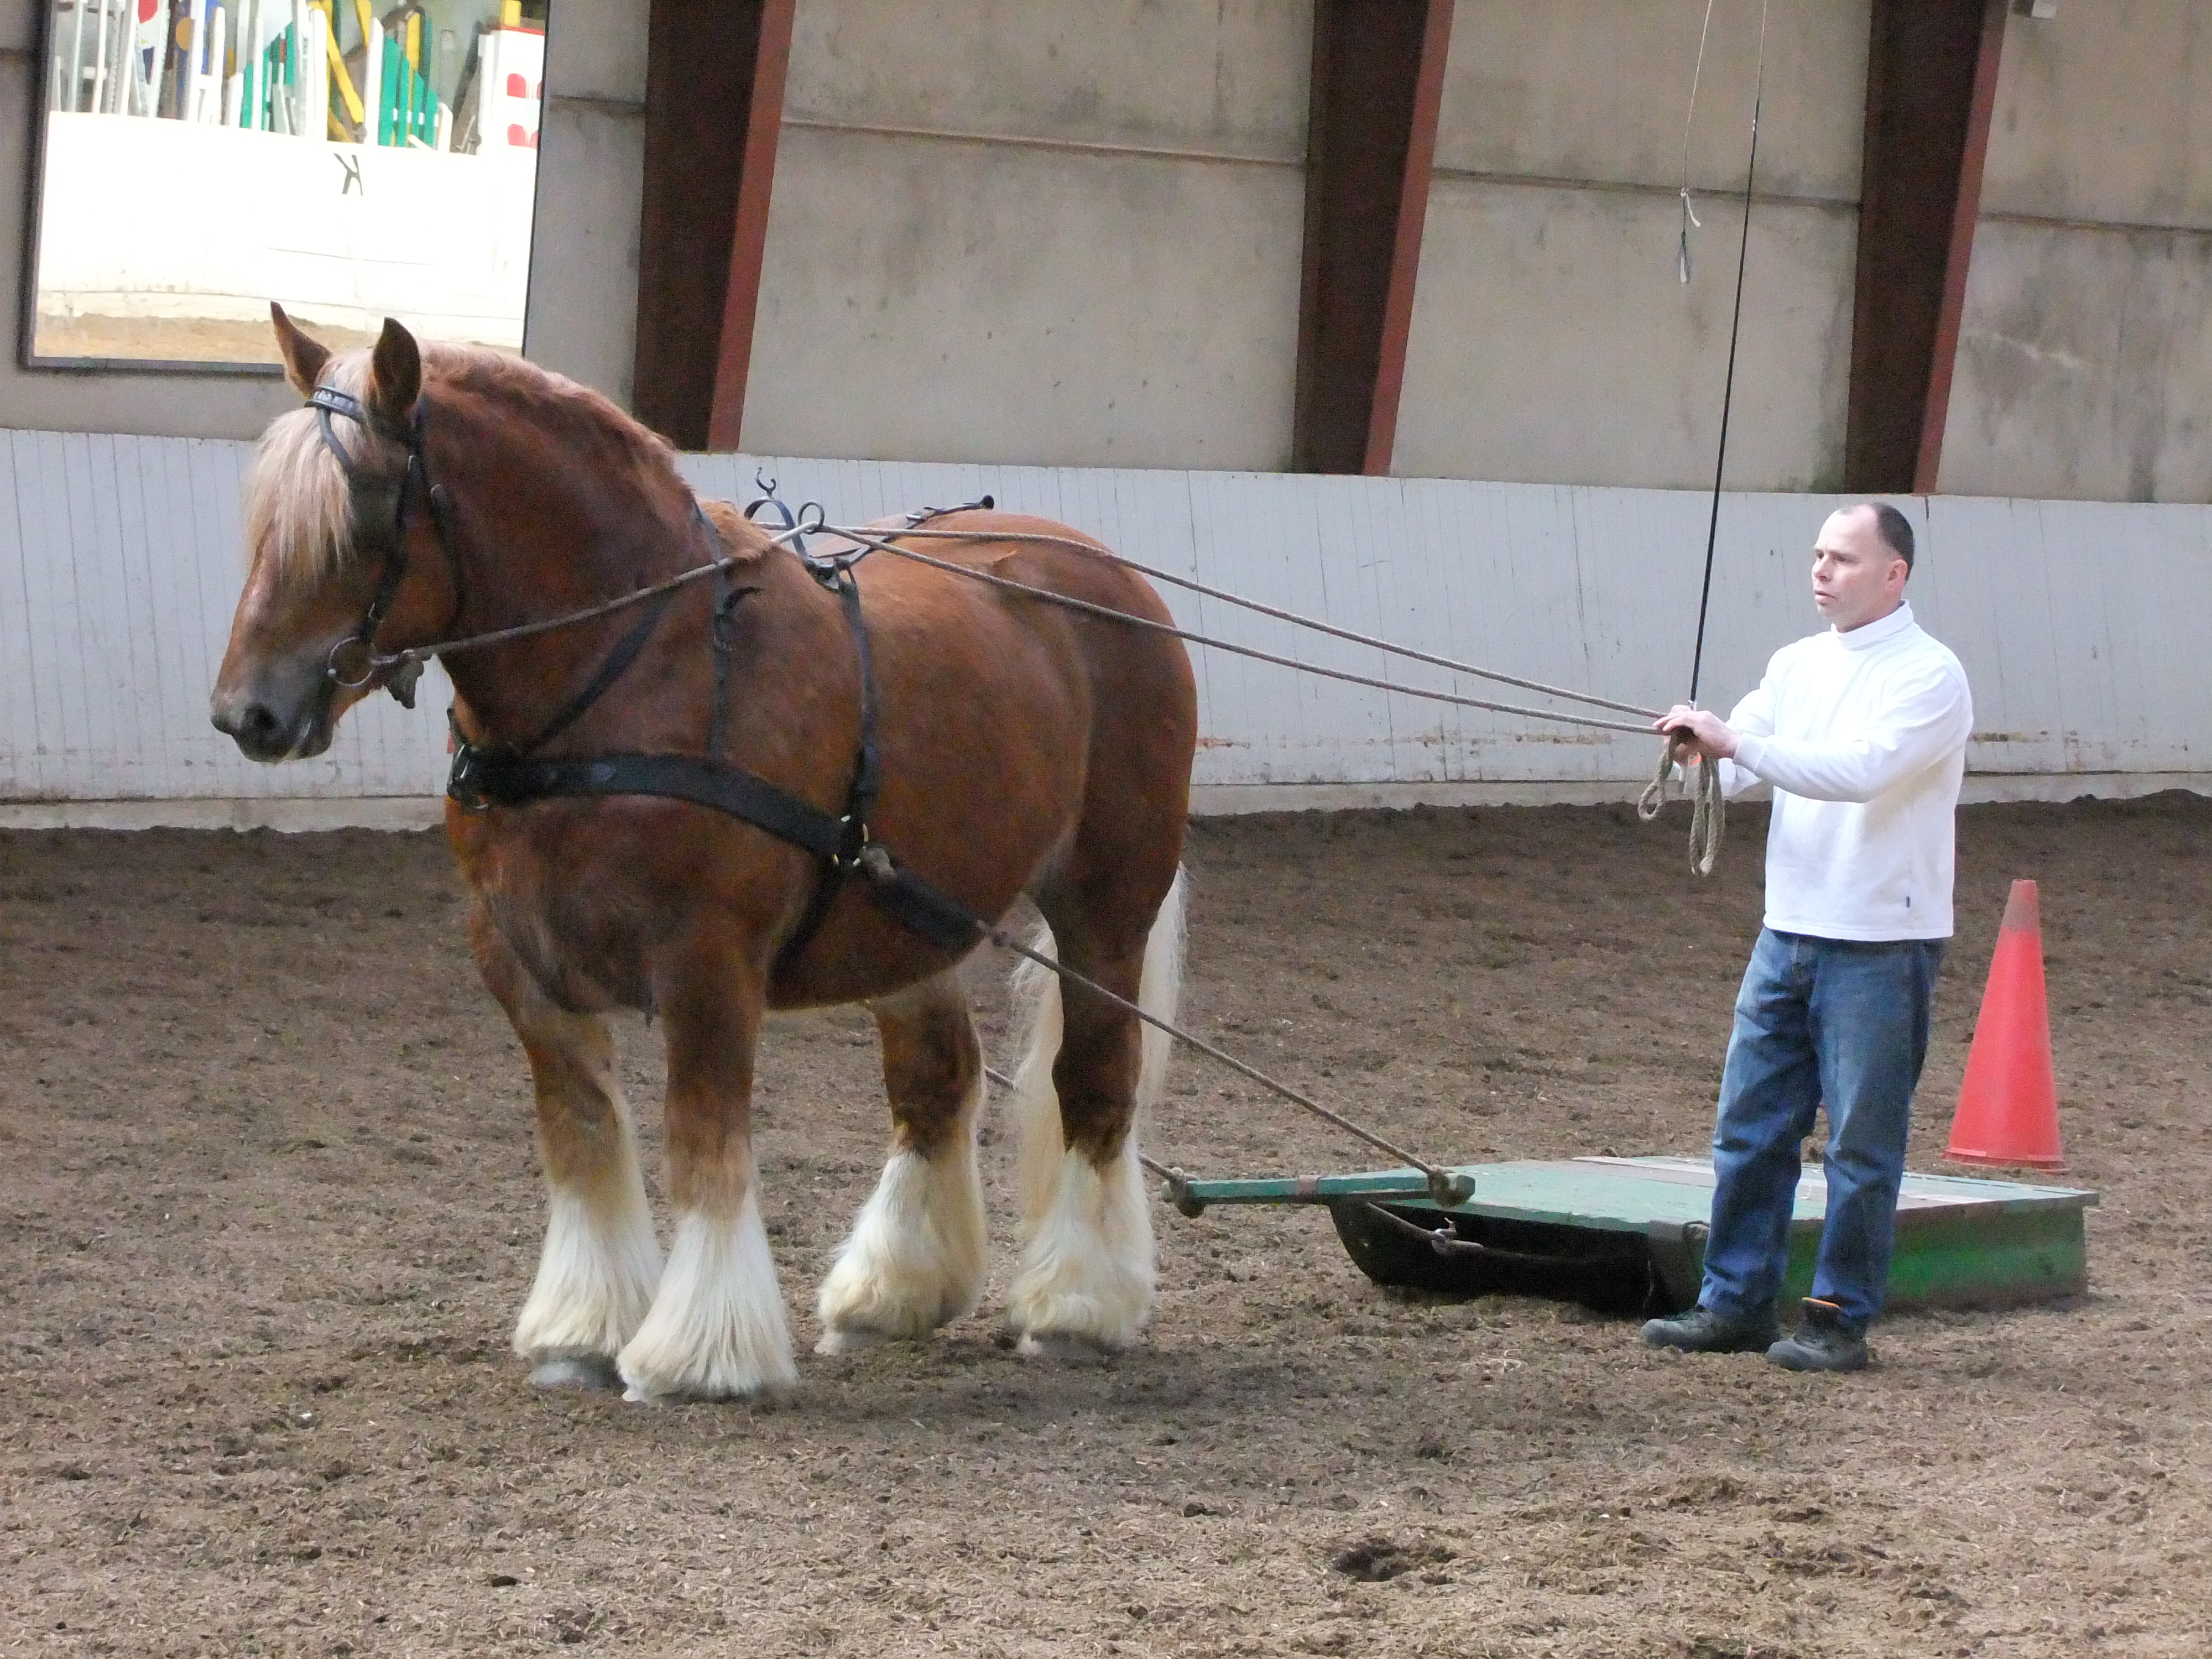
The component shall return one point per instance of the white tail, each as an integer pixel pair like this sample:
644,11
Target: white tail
1034,1104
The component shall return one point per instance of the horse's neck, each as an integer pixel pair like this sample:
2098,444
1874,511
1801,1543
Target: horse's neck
548,539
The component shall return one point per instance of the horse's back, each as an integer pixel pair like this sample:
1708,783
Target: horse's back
1024,744
1127,658
1139,694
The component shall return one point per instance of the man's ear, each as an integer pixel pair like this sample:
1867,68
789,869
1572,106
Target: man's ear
395,374
304,359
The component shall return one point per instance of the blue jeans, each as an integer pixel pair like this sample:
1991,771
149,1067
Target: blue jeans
1817,1020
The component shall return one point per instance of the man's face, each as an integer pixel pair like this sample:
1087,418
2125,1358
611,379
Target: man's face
1856,577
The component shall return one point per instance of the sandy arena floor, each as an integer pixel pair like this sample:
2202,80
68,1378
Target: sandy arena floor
269,1203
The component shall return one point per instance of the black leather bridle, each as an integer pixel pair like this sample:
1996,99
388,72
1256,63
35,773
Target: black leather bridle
401,674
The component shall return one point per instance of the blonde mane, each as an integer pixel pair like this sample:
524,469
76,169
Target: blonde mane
298,510
297,501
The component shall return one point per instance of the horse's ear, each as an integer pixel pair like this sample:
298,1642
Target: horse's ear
395,373
303,358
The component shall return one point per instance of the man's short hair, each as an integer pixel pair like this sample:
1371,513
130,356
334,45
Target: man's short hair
1895,529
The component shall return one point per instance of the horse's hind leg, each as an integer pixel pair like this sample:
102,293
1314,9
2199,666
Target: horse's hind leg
918,1251
1088,1073
596,1272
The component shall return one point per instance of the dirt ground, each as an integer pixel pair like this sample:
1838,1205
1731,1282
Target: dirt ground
269,1203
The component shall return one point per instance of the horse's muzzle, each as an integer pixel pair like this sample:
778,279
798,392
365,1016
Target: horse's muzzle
264,732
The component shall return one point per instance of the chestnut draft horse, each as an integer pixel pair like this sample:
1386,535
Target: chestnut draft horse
1024,748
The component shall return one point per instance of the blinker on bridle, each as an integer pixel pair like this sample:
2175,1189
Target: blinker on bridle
401,673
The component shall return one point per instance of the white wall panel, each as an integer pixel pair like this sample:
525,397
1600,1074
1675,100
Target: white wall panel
119,568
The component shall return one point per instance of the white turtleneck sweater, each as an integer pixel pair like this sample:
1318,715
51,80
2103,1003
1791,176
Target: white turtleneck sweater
1863,736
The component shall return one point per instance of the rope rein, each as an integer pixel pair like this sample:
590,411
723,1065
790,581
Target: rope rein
876,543
1446,1185
1313,624
1708,807
422,653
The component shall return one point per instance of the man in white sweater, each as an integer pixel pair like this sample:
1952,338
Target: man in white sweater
1862,733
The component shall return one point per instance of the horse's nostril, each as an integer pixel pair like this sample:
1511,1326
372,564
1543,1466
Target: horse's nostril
254,723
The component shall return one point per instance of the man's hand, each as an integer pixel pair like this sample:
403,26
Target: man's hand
1697,730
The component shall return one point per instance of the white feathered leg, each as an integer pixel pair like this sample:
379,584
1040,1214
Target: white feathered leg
717,1329
596,1269
595,1279
1086,1277
918,1251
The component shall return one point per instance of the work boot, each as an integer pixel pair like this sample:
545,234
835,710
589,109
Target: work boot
1703,1331
1824,1342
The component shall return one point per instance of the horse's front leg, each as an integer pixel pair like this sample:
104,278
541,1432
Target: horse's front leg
596,1271
717,1328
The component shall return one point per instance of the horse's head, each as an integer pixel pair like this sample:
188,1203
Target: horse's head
336,568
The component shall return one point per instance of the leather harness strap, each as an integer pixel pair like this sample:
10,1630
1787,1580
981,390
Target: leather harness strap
490,778
509,775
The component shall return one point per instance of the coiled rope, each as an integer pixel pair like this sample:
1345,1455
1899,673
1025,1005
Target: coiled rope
1708,806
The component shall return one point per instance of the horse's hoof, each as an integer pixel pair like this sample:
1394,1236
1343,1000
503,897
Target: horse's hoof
836,1342
591,1370
767,1396
1062,1348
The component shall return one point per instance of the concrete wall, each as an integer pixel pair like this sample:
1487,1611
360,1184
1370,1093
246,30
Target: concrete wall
582,319
1063,232
1553,338
2085,366
1056,232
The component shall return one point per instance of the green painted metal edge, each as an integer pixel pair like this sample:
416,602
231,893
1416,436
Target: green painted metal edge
1407,1187
1977,1259
1393,1184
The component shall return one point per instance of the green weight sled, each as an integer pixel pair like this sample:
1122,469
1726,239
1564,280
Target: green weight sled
1626,1234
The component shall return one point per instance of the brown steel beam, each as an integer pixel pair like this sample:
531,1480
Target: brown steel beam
749,238
1931,84
713,103
1378,68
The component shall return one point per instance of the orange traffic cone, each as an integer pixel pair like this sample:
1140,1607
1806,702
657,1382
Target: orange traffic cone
2008,1104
